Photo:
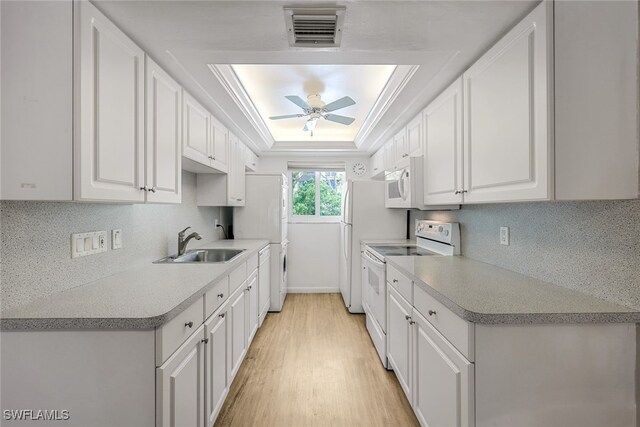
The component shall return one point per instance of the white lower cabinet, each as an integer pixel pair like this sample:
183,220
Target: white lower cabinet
217,363
238,316
252,306
264,283
180,385
399,338
442,379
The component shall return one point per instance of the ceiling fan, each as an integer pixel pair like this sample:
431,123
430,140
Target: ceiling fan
315,108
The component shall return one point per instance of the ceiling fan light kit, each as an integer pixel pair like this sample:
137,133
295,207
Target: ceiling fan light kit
315,108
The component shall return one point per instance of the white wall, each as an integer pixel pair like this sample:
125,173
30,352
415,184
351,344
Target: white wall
313,247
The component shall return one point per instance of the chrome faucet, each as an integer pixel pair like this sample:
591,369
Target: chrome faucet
183,241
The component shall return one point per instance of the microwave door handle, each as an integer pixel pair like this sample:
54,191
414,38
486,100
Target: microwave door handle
373,260
401,189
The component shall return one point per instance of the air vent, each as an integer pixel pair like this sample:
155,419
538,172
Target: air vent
314,27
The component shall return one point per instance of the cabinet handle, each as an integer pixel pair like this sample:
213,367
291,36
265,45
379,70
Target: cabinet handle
189,324
411,322
239,200
431,312
152,189
407,317
457,192
144,188
395,280
221,315
464,191
220,295
206,340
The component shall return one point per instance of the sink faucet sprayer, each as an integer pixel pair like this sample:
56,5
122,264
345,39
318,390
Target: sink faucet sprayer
182,241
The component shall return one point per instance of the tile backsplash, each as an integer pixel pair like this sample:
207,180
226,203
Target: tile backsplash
36,240
593,247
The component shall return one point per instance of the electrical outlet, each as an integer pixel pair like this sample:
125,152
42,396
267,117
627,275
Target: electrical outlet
504,236
83,244
116,239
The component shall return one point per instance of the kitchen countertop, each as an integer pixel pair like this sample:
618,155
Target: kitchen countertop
142,297
486,294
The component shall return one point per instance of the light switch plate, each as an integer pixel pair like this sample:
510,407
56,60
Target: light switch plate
116,239
83,244
504,236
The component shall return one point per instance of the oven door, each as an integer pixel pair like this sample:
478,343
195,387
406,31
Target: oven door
398,189
376,289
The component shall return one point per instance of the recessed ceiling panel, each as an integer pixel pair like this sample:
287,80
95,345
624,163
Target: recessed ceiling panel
267,86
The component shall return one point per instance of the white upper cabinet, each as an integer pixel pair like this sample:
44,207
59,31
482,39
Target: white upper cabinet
219,150
225,189
109,148
389,156
250,160
377,163
400,149
414,138
507,138
163,146
196,135
443,147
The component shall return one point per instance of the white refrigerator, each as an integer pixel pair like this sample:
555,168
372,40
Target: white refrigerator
265,216
364,217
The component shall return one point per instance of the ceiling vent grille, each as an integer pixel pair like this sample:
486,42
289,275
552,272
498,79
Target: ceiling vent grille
314,27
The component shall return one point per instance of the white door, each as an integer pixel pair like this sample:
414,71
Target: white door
443,392
344,263
414,137
376,289
264,282
400,149
196,129
180,383
219,146
251,301
443,148
163,146
399,338
238,316
508,143
217,361
109,162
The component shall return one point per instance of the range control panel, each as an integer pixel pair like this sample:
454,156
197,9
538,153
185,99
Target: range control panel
445,232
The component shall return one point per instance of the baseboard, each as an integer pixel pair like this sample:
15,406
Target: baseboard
312,290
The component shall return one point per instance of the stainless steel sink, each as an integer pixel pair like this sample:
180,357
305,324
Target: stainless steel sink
202,256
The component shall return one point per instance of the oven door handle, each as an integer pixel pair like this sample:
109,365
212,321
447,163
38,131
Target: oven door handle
373,260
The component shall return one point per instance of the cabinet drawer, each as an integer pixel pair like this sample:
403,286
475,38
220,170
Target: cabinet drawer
172,334
400,282
237,277
216,296
459,332
252,263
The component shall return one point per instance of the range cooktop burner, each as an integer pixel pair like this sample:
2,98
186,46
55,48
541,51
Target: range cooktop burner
401,251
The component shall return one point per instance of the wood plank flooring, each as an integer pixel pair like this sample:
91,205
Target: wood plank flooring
314,364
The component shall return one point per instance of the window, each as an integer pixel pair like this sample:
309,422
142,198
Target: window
316,195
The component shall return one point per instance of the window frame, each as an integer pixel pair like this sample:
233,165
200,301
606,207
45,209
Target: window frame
316,218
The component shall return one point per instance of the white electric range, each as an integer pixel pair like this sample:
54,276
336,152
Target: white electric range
433,238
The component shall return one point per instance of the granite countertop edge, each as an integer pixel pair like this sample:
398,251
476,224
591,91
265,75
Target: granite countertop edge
520,318
128,323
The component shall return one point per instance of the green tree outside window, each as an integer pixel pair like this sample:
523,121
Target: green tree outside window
317,193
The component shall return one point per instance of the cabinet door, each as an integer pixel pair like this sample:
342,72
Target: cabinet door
163,147
389,156
443,390
234,161
252,307
264,284
219,148
217,374
240,175
109,155
399,338
443,147
238,315
195,131
400,149
180,385
377,163
414,137
508,142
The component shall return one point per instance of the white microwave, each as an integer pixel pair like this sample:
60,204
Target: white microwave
403,187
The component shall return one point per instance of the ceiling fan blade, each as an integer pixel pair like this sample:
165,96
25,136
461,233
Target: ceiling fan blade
286,116
340,103
339,119
298,101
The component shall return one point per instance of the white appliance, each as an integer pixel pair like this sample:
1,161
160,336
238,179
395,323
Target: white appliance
403,187
432,238
265,216
363,217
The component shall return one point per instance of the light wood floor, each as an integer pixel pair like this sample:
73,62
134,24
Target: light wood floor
314,364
